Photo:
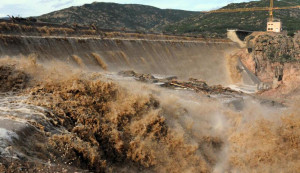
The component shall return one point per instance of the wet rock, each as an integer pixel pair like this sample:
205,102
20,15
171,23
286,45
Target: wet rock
146,78
272,103
172,82
200,86
143,77
171,78
129,73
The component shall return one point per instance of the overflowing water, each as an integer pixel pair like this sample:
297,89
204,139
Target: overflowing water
64,108
185,59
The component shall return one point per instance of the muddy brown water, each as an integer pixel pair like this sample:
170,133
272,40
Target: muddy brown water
69,118
185,59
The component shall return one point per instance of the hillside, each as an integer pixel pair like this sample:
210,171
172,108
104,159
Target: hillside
118,16
217,23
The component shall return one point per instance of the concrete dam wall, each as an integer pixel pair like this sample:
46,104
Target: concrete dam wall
182,58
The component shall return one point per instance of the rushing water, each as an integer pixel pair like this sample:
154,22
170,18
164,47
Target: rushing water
185,59
70,112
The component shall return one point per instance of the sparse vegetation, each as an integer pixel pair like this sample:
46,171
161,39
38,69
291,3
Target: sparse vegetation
117,16
217,23
277,48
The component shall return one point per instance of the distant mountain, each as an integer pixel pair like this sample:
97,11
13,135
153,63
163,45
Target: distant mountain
255,21
4,18
118,16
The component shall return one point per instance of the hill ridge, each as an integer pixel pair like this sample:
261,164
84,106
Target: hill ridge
137,17
118,16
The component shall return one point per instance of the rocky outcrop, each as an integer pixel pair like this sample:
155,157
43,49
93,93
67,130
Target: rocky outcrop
274,58
297,42
271,52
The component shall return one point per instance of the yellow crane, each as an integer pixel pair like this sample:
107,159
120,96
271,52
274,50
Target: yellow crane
271,11
273,26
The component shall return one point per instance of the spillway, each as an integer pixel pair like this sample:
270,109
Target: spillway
203,60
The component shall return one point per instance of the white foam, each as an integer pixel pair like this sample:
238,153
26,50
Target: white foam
7,135
249,89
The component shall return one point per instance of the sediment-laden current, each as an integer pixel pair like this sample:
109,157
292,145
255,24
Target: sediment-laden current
64,108
57,117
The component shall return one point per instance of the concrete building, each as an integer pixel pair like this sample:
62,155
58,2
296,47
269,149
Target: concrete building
274,26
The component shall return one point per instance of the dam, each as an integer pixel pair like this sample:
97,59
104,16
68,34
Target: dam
201,59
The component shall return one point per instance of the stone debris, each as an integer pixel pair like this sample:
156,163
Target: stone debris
173,82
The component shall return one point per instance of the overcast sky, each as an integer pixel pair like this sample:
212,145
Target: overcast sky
27,8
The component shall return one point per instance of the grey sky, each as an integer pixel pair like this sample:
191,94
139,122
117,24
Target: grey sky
27,8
